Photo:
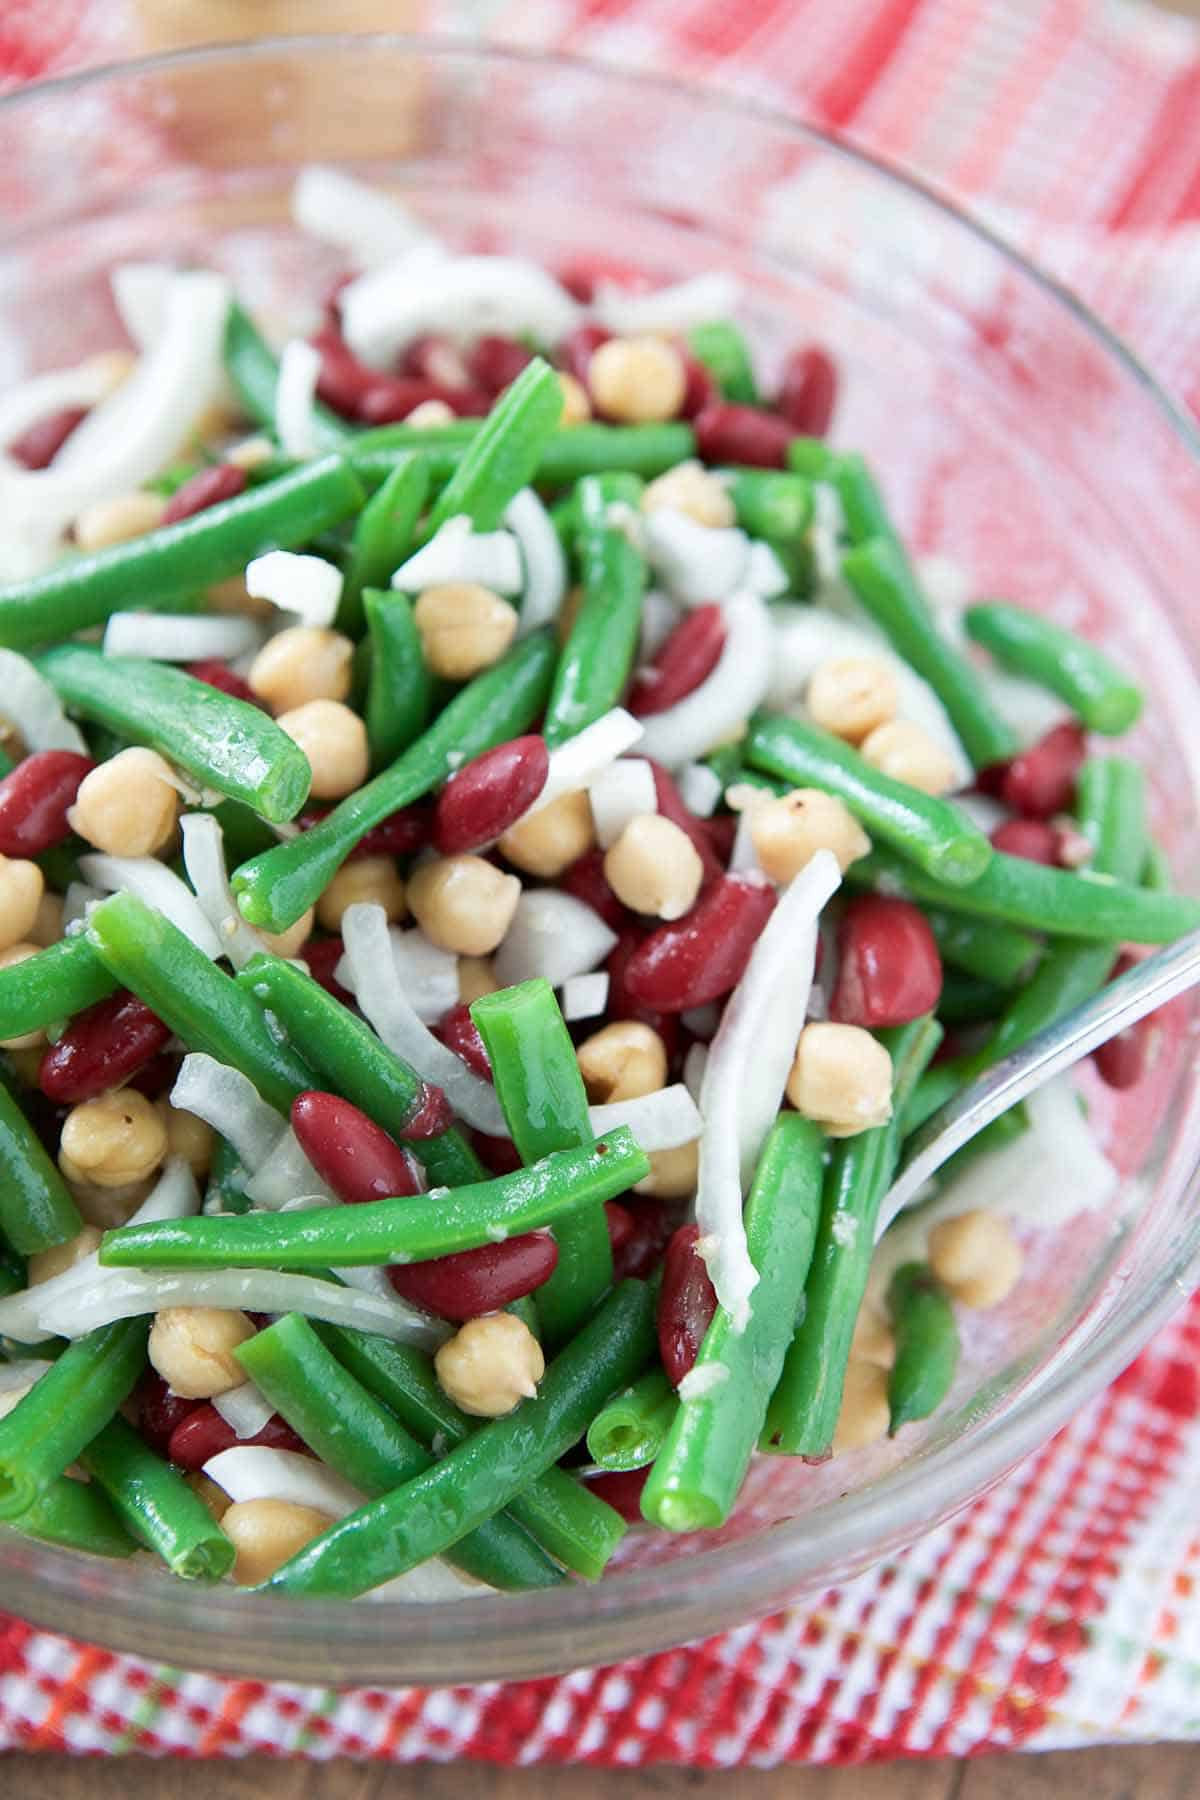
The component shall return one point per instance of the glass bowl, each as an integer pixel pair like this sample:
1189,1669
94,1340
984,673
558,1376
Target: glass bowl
1014,435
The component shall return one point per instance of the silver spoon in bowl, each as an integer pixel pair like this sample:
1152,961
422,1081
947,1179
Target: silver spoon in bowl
1141,990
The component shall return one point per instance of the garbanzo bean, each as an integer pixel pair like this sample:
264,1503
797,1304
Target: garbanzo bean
842,1078
192,1348
301,664
370,879
549,841
334,739
622,1061
490,1365
127,806
113,1140
463,903
654,867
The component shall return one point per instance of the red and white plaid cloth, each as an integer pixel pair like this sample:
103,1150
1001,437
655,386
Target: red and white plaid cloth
1060,1609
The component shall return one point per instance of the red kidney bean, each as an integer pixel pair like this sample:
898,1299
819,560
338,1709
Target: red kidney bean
487,795
399,834
721,830
344,380
743,434
621,1225
622,1490
459,1032
685,1306
1040,781
1124,1059
223,481
808,391
348,1150
472,1282
578,347
671,805
322,956
431,1115
35,798
622,1004
688,657
158,1411
331,306
204,1434
39,444
701,390
499,1155
391,398
700,957
215,673
495,362
102,1047
585,879
1031,838
652,1222
889,969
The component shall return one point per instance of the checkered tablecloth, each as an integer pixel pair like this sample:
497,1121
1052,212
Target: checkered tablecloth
1060,1609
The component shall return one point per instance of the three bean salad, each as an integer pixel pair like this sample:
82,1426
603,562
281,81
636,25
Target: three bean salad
499,845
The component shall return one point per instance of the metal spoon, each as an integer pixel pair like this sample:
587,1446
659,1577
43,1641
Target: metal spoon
1140,991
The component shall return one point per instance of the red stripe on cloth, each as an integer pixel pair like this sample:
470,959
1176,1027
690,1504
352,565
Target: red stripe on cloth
1171,138
1015,96
837,101
72,1697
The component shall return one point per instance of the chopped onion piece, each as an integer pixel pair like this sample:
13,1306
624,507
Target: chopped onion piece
584,996
577,763
29,702
456,553
370,1278
78,902
154,883
177,637
428,974
244,1409
699,1382
699,789
696,563
307,586
431,1583
660,616
254,1472
765,574
664,1120
204,860
286,1177
295,398
748,1064
373,227
694,1064
388,1009
462,296
231,1104
620,793
141,292
552,935
542,554
19,1377
713,295
35,399
726,698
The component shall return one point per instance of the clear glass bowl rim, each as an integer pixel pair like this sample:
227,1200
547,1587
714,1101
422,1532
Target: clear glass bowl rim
646,1609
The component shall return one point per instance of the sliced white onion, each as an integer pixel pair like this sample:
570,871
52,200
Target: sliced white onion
430,1583
296,397
456,553
726,698
373,227
748,1064
1030,710
577,763
154,883
696,563
664,1120
713,295
180,637
981,810
383,1001
254,1472
204,860
231,1104
553,935
694,1064
78,902
699,789
660,616
620,793
37,398
765,574
20,1376
307,586
244,1409
369,1278
542,554
285,1177
462,296
584,996
428,974
141,292
31,704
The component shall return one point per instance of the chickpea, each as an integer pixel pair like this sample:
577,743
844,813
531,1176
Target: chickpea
205,1489
841,1077
865,1415
576,407
334,739
476,977
788,830
127,806
106,1207
552,839
463,903
27,1040
46,1264
251,453
568,612
873,1341
116,521
673,1173
852,696
490,1365
188,1136
689,488
654,867
369,878
301,664
268,1533
976,1257
192,1348
289,942
21,888
464,628
48,921
113,1140
637,380
430,412
230,596
622,1061
906,753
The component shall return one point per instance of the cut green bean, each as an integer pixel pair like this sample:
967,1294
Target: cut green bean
356,1434
965,1000
1156,870
926,1344
179,559
36,1208
1089,682
630,1431
811,457
541,1091
482,1475
154,959
930,832
778,508
597,658
383,537
503,456
66,1407
878,570
13,1275
156,1505
400,685
593,449
51,986
864,514
701,1467
275,888
993,952
76,1516
253,369
226,1192
720,346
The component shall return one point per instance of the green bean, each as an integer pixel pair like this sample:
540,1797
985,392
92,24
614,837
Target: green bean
61,1414
13,1275
779,509
254,372
1156,870
935,1087
400,685
409,1228
178,559
483,1474
36,1208
222,742
275,888
539,1086
993,952
154,959
811,457
878,570
356,1435
51,986
243,832
503,456
571,1522
926,1344
864,514
356,1063
156,1505
1098,692
597,658
524,1307
701,1467
804,1408
643,450
997,1136
383,536
930,832
720,346
75,1515
965,1000
226,1192
630,1431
